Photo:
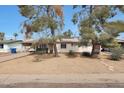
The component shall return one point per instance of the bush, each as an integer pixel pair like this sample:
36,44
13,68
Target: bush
87,54
71,53
116,53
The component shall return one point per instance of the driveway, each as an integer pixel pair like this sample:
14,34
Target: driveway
8,57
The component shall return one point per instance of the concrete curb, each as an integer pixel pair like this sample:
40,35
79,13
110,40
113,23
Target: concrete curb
62,78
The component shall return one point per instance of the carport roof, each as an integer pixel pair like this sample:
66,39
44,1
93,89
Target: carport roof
10,41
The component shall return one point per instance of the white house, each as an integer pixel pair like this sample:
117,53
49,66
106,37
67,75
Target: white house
6,45
65,45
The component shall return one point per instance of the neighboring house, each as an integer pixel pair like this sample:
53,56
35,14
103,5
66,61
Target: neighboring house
65,45
121,42
6,45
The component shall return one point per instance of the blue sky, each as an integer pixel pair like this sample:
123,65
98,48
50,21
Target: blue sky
10,20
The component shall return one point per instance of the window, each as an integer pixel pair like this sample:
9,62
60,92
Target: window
63,45
1,45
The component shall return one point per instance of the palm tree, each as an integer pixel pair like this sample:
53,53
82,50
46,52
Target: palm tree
15,35
68,34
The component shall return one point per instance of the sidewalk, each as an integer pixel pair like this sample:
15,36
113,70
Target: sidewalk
12,56
77,79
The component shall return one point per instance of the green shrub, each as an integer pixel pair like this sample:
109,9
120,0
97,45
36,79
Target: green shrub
71,53
117,53
87,54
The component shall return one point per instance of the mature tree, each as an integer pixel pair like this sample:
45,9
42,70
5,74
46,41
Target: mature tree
15,35
94,26
40,18
26,30
1,36
67,34
108,37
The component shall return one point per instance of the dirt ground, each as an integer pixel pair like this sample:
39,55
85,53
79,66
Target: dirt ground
64,85
4,54
60,65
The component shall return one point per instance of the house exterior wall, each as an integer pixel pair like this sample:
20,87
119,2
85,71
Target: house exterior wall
85,49
19,47
6,47
68,47
74,48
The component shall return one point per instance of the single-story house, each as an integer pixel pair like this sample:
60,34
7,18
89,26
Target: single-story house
63,45
6,45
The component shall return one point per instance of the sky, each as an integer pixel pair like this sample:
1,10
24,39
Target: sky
10,21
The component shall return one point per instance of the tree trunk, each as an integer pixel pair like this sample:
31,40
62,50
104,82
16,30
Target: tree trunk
53,33
15,37
55,50
95,49
54,46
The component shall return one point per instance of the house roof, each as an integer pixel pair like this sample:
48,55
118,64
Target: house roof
120,40
69,40
29,41
10,41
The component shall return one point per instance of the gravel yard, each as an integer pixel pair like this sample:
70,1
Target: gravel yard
60,65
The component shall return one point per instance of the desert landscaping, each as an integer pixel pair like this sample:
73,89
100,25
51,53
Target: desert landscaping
47,46
60,65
